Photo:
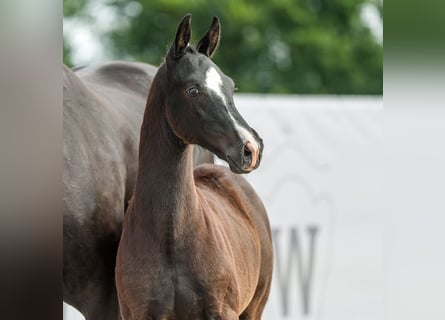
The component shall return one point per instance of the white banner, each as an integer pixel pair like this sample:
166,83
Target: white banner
320,180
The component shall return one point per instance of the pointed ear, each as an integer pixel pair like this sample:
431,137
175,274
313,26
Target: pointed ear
209,42
182,38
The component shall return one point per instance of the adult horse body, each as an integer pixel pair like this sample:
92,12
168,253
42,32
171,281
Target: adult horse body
103,106
195,244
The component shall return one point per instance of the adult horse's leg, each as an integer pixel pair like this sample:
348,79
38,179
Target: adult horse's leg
103,306
89,260
100,302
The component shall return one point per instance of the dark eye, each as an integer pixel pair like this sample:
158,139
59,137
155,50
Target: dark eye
192,91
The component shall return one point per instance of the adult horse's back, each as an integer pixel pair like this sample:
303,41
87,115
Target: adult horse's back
103,107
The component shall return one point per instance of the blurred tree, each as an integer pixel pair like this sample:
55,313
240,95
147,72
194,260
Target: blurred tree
71,8
279,46
67,60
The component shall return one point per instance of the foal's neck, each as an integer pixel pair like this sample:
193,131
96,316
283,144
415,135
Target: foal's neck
165,184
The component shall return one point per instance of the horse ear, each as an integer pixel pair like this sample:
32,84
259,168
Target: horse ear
183,36
209,42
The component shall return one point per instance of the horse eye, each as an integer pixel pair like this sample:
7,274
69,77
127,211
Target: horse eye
192,91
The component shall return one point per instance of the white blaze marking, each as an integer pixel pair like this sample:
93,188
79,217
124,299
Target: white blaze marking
214,82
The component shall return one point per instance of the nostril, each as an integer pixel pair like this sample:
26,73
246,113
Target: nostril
250,155
247,152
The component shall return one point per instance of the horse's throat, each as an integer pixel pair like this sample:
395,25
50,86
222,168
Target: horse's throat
165,189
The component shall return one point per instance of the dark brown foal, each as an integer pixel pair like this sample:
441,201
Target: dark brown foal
196,244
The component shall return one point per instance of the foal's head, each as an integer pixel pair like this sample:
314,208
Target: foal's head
200,107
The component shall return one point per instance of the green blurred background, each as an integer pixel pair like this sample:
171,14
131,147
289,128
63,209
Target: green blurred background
268,46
